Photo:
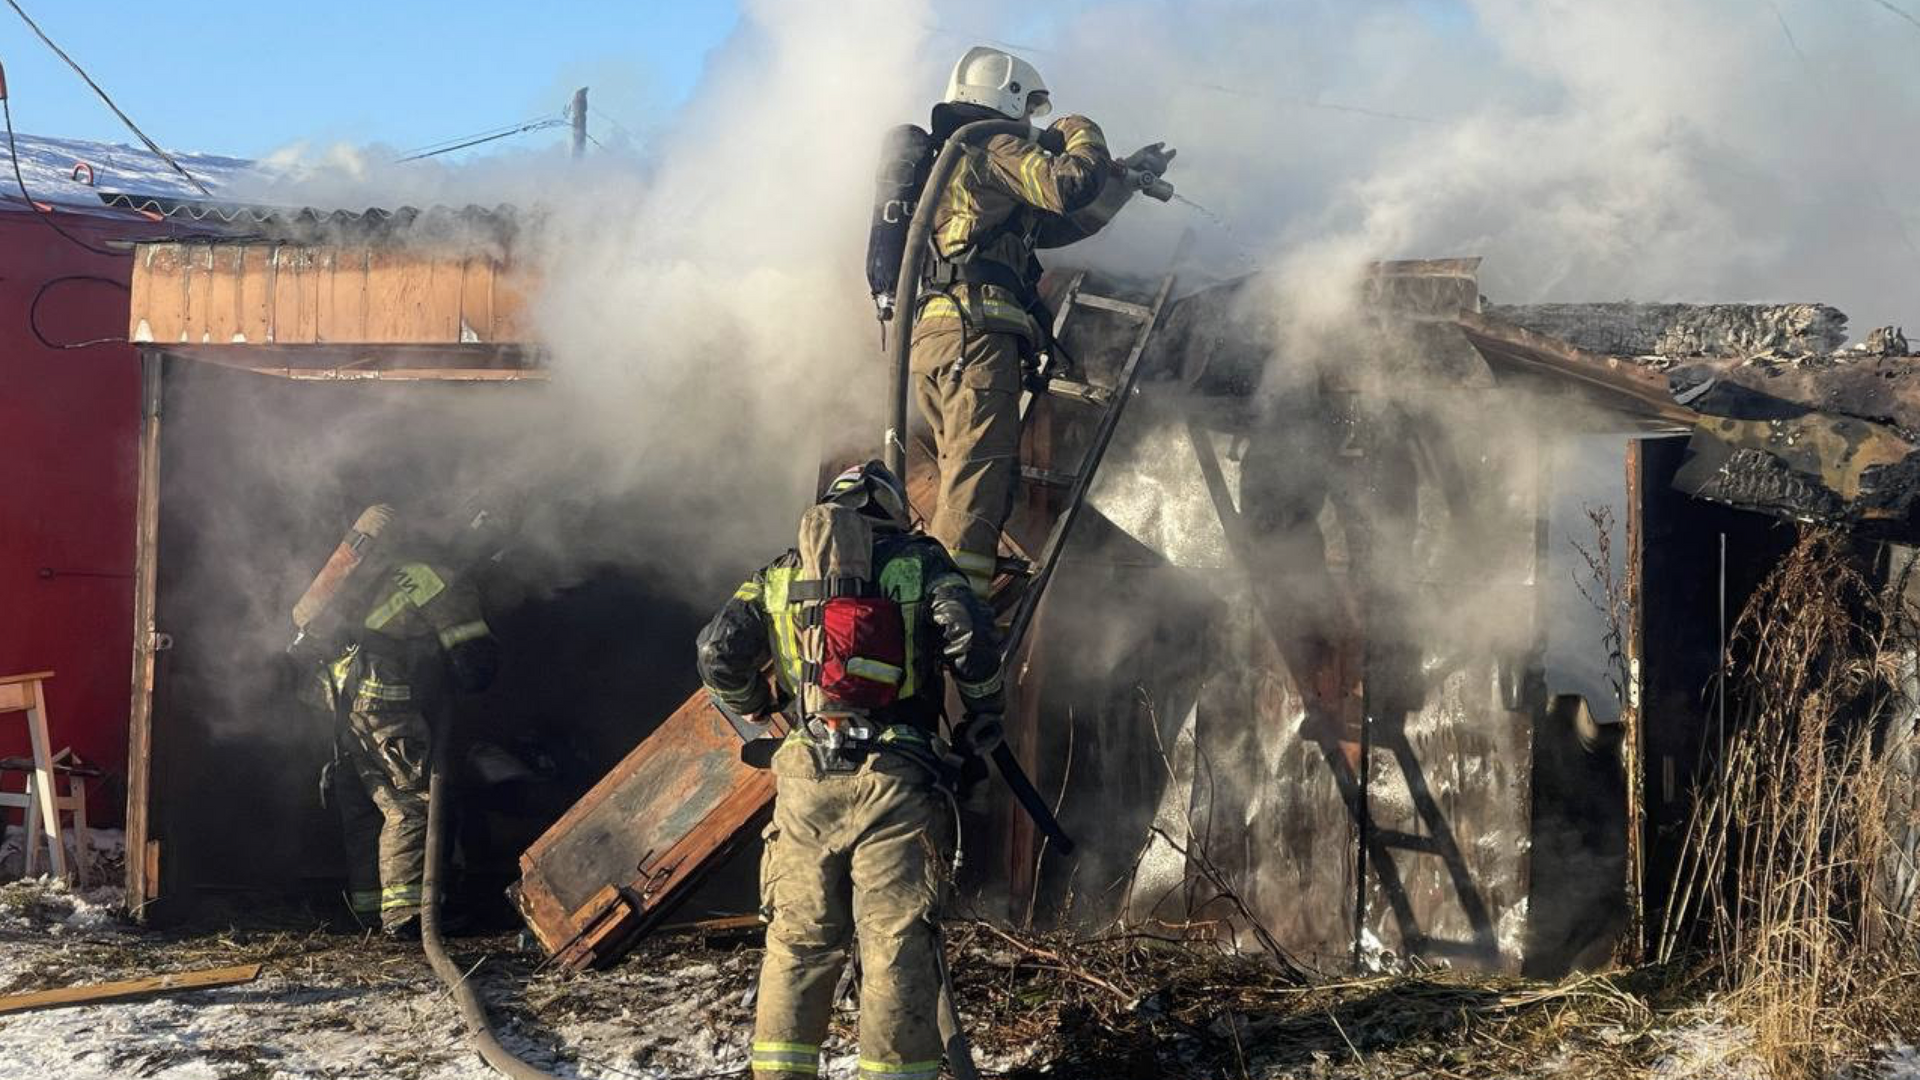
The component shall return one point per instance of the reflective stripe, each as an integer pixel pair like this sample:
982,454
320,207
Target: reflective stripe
787,1047
399,896
1082,137
786,1057
1033,180
466,631
419,584
786,635
973,562
749,592
905,1070
984,687
374,688
874,670
364,901
942,307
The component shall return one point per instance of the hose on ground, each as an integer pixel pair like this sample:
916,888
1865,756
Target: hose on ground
504,1061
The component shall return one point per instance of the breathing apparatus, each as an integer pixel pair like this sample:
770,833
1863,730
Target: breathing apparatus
313,613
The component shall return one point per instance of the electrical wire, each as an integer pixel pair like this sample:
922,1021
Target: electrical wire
13,153
88,79
33,312
464,141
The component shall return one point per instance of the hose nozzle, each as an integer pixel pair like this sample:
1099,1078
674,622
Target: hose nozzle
1150,185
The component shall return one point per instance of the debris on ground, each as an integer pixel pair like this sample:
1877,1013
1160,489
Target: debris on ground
1127,1004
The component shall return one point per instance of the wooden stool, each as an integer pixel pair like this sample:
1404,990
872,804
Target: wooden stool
24,694
66,764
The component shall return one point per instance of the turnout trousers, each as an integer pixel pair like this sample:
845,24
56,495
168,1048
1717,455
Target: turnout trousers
851,855
380,786
968,387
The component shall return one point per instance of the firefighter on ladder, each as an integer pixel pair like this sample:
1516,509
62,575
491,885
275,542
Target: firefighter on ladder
857,639
981,320
409,630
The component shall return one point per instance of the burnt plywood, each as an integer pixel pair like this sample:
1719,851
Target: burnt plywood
272,293
634,845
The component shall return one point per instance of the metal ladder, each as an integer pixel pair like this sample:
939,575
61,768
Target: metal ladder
1112,401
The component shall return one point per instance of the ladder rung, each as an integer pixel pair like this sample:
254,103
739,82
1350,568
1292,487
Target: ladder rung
1394,838
1075,390
1049,477
1118,307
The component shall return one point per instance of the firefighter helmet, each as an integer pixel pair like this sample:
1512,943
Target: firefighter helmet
999,81
871,487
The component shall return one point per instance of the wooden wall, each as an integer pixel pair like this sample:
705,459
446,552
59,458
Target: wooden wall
291,294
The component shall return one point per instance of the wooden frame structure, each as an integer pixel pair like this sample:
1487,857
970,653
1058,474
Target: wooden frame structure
382,311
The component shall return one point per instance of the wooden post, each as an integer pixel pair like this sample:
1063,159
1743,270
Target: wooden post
141,883
45,794
579,122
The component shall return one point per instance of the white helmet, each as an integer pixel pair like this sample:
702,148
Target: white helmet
1000,81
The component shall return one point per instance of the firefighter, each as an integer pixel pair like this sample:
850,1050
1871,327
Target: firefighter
863,799
413,632
982,320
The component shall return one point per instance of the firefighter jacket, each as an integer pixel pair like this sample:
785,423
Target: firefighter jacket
417,613
1007,198
946,626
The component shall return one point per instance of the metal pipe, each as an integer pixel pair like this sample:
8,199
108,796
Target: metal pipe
504,1061
906,295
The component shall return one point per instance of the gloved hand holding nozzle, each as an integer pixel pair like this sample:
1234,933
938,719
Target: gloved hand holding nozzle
1145,167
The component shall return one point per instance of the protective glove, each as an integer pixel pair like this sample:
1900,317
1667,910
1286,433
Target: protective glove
474,664
979,734
1153,158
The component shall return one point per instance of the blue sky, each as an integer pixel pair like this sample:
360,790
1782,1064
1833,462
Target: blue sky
243,77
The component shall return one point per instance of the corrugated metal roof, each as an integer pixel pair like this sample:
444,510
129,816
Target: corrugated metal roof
309,224
71,173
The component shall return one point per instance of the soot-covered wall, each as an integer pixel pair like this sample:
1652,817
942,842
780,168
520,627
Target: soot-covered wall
260,477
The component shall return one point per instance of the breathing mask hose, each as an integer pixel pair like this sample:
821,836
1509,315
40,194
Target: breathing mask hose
472,1010
906,295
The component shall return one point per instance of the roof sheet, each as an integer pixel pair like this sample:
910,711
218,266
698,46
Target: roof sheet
58,171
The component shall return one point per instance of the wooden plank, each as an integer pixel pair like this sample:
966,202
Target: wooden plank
476,297
130,989
256,294
347,285
145,566
140,294
511,319
440,317
196,279
224,277
634,846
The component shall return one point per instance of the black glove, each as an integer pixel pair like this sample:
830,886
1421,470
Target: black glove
474,664
978,735
1153,158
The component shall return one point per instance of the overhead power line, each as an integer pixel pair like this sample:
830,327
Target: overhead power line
435,149
124,118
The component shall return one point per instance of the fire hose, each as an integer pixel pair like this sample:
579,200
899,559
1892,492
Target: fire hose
472,1010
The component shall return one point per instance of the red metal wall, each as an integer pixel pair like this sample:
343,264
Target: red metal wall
69,423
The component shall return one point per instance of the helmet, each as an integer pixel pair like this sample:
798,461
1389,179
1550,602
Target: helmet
999,81
873,488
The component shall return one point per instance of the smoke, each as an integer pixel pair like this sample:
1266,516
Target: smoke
704,318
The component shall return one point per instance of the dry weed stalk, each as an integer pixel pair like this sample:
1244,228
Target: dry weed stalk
1792,828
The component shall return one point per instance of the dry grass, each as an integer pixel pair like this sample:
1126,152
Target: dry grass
1792,832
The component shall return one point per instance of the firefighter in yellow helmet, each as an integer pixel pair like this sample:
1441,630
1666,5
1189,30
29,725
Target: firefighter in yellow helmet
408,629
857,623
981,317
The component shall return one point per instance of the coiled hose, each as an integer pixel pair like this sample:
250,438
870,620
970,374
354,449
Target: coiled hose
472,1010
